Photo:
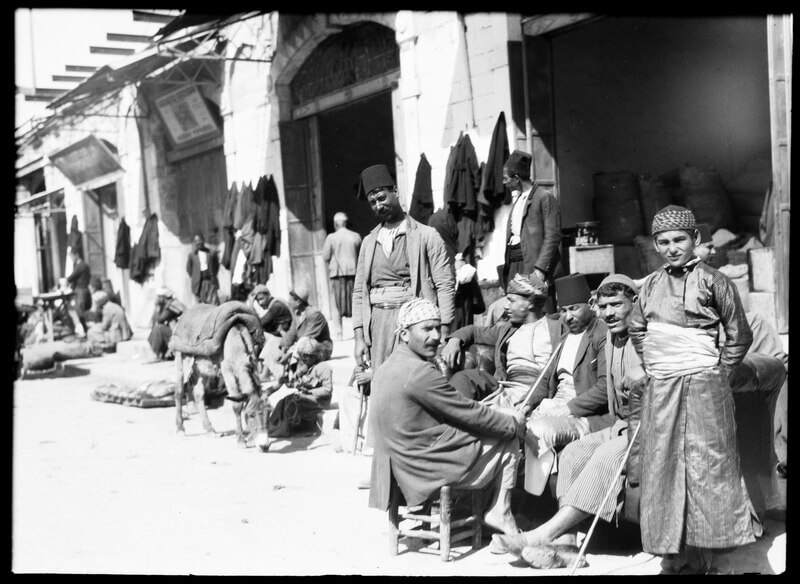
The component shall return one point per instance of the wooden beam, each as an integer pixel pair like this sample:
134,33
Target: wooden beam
69,78
111,51
127,38
81,68
147,16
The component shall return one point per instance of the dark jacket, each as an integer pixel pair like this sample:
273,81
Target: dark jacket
122,254
540,233
426,433
193,269
590,375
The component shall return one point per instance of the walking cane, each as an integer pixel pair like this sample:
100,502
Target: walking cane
521,404
605,500
358,422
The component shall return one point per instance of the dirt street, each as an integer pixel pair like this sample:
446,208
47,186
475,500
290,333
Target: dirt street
103,488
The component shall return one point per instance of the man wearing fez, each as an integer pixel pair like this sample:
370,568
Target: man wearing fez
533,232
428,435
400,259
693,496
573,401
588,467
522,344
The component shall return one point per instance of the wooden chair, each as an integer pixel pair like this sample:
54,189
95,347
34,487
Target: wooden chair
435,520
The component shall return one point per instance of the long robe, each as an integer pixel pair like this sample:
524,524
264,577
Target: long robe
692,490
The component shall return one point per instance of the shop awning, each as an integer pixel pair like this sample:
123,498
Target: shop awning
87,163
547,23
184,37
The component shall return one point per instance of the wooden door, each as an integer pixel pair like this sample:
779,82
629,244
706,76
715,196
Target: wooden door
93,236
301,187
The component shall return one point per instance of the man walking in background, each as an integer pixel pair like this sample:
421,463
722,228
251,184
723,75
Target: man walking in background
340,252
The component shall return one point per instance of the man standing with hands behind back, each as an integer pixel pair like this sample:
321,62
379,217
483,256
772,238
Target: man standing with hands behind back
340,252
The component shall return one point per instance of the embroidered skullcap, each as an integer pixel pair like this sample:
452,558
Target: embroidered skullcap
705,232
618,279
100,296
518,163
165,292
373,177
529,286
672,218
260,289
416,310
572,289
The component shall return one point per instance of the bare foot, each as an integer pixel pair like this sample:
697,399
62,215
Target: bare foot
504,523
515,543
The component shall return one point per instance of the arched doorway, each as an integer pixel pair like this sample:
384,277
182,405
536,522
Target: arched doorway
343,101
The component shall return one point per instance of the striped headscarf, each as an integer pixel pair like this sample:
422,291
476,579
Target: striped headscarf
529,286
673,218
416,310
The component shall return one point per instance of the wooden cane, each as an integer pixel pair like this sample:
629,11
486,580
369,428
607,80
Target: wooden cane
521,404
358,422
605,500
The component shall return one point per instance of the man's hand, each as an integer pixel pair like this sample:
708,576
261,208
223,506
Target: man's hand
363,376
451,354
521,421
361,352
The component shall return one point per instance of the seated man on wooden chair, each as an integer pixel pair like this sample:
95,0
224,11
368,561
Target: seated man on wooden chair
428,435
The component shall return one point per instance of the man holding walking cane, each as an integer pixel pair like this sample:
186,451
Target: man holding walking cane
588,467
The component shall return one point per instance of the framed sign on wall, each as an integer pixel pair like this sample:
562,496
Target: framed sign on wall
186,115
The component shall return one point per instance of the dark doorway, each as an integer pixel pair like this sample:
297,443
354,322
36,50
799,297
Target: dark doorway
352,138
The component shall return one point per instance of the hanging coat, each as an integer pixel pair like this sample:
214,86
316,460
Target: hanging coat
273,233
122,255
422,198
261,214
462,187
230,204
493,191
74,239
244,207
146,252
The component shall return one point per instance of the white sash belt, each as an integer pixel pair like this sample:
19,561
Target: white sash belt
674,351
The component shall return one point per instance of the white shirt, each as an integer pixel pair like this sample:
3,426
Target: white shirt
517,211
565,366
529,346
203,257
386,237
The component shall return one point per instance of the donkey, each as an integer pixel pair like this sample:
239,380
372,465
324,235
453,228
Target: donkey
233,356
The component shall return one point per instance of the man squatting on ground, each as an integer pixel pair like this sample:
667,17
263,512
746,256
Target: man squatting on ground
693,495
428,435
588,467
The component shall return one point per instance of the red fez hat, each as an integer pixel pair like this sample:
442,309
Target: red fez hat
572,289
373,177
518,163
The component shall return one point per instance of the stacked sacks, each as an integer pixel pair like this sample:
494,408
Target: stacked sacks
707,197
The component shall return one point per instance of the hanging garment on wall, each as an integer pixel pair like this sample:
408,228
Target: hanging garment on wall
75,237
261,214
461,192
122,255
228,240
422,199
230,205
493,190
146,252
273,233
245,206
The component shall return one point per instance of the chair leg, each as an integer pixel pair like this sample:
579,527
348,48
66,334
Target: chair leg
444,525
394,524
477,520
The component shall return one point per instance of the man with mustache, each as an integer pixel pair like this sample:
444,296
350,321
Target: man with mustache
588,466
572,400
400,259
428,435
